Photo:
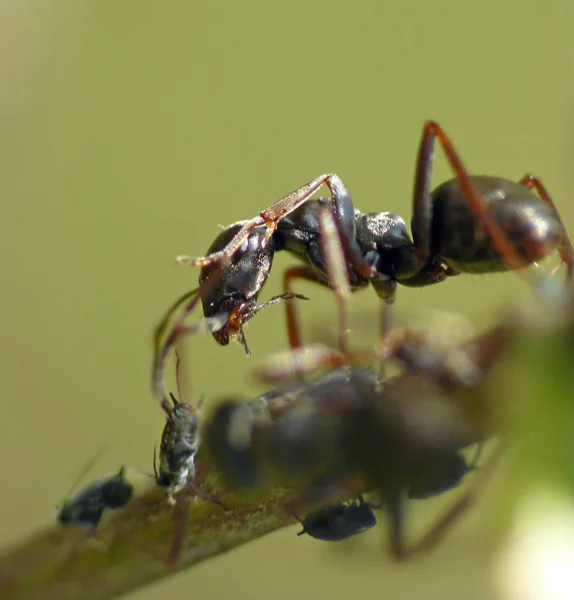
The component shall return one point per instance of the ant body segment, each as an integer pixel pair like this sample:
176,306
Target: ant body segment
470,224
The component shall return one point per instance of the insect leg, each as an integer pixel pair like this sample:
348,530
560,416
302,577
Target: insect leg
565,248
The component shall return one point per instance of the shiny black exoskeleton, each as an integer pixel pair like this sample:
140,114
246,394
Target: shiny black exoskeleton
340,522
470,224
249,266
87,506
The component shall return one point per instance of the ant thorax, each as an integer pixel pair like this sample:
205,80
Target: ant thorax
381,231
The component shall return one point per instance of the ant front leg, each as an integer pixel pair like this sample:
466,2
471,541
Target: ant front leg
190,299
271,216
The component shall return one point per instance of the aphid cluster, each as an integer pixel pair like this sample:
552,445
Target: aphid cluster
402,437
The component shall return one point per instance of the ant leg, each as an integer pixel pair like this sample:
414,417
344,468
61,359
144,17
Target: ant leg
334,257
455,366
299,362
271,216
422,200
394,511
211,324
565,249
308,274
342,208
160,328
332,238
441,527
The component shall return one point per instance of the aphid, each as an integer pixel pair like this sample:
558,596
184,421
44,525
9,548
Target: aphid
341,521
87,507
470,224
179,444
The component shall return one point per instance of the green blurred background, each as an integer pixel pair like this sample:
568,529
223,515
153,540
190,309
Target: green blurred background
130,130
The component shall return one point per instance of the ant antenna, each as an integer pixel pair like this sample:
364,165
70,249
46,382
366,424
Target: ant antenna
249,314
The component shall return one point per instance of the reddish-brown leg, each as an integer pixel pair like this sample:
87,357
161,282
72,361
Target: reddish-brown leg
160,328
422,201
161,351
293,324
336,271
271,216
565,248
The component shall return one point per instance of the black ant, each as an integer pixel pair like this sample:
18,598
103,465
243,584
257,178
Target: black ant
470,224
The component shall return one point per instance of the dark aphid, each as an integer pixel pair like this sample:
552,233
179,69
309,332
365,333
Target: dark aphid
87,506
470,224
179,444
341,521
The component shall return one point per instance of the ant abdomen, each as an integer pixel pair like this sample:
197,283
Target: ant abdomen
461,240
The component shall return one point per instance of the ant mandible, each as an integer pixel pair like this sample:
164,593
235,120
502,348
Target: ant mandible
469,224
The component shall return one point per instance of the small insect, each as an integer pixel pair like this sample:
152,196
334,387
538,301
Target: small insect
179,444
341,521
87,507
470,224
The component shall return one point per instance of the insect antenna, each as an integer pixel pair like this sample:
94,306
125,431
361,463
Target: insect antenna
85,469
